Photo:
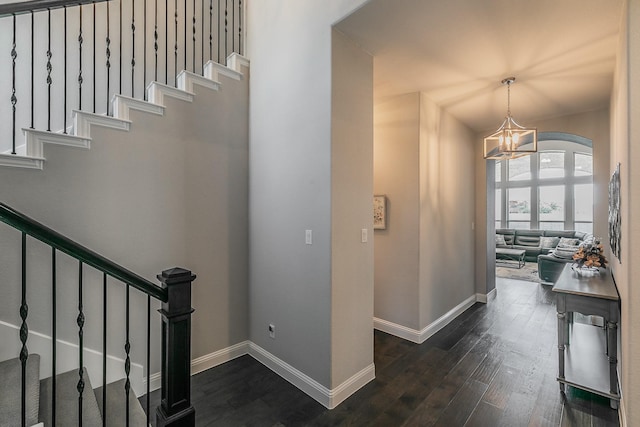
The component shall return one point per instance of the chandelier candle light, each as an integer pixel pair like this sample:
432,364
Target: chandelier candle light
511,140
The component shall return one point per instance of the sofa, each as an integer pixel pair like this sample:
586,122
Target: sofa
539,246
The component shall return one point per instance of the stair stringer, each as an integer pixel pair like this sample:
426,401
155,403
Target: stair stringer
30,155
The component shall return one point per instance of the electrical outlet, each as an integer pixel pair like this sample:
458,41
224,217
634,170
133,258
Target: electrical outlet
308,237
272,331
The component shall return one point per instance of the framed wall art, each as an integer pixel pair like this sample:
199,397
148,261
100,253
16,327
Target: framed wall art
614,212
379,212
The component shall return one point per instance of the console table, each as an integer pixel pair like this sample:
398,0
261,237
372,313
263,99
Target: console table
587,359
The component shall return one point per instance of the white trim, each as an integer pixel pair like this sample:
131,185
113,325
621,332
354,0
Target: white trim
397,330
187,79
622,410
203,363
328,398
484,298
428,331
219,357
18,161
82,122
157,91
122,105
213,70
235,61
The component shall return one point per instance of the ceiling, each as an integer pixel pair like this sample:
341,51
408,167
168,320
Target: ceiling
562,53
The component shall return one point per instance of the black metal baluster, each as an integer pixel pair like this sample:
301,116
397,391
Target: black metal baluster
108,55
24,330
155,41
127,362
33,75
133,46
53,335
193,59
202,35
175,46
240,27
94,58
226,14
80,79
144,53
185,35
148,355
14,99
210,29
120,48
104,348
80,321
166,42
64,107
218,31
49,68
233,26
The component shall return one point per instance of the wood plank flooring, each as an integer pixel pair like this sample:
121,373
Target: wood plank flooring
495,365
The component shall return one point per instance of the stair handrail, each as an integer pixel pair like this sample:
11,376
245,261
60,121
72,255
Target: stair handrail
41,232
18,8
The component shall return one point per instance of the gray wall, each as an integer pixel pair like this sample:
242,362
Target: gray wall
625,149
424,164
291,180
351,200
171,192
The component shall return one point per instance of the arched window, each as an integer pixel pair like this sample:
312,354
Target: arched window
549,190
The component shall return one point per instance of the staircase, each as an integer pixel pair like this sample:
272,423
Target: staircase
30,154
39,407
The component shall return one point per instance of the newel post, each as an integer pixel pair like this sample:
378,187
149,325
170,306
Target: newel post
175,408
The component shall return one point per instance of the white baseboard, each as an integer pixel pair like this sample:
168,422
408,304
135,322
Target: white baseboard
622,410
420,336
328,398
484,298
205,362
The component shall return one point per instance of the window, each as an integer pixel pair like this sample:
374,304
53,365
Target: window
549,190
583,203
551,164
583,165
519,169
519,207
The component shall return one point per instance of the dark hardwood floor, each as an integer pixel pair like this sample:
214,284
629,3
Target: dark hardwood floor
495,365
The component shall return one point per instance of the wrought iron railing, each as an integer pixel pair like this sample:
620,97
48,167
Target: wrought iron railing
65,55
174,294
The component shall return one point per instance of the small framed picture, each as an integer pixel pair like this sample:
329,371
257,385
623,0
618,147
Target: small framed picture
379,212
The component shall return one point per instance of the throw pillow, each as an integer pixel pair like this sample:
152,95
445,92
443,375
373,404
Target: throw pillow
549,242
500,239
566,241
564,251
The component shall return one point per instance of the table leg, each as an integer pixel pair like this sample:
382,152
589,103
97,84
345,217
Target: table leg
612,344
562,328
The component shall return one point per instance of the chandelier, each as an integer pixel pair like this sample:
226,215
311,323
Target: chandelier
511,140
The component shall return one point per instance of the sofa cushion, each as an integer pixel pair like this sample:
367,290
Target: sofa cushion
508,233
564,241
500,239
564,251
549,242
560,233
528,238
